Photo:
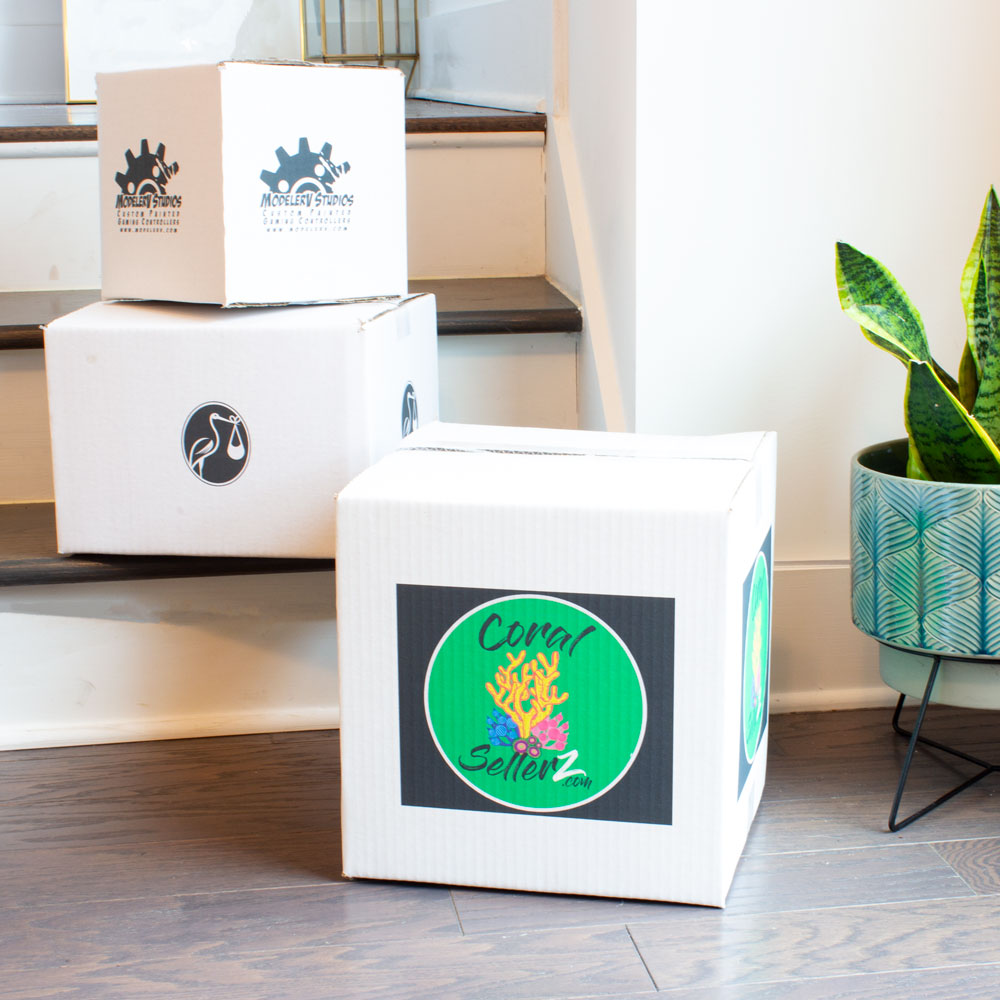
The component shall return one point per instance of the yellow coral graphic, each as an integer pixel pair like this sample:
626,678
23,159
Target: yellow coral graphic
535,685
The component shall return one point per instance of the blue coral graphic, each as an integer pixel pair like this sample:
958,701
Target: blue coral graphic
501,729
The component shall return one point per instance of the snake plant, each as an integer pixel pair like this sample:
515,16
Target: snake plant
953,425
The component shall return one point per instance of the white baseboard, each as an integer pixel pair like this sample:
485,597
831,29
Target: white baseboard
189,727
840,700
820,661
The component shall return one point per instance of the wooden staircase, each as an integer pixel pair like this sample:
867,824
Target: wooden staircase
504,311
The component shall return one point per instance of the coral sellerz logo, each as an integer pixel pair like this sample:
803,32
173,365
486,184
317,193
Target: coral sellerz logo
216,443
755,663
535,703
300,194
144,206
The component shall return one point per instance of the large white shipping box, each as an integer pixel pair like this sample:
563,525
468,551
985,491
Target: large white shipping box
554,659
252,183
194,430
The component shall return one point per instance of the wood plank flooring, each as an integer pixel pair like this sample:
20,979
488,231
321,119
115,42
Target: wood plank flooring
211,869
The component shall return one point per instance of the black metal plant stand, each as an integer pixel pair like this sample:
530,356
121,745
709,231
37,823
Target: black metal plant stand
914,737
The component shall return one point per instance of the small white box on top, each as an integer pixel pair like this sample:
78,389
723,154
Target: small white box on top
252,183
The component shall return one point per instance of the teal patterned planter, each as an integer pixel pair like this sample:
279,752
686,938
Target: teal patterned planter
925,558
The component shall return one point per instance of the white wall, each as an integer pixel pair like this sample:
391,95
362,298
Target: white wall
723,149
765,132
50,216
591,197
31,54
113,35
496,53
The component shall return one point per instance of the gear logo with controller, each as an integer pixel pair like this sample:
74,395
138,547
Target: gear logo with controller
144,204
306,193
216,443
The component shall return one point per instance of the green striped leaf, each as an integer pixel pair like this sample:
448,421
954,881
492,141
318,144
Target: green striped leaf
968,379
951,384
951,444
915,468
986,409
985,250
871,296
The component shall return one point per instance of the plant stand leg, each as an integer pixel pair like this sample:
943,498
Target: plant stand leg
915,738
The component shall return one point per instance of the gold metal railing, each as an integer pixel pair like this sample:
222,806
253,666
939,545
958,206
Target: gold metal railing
390,24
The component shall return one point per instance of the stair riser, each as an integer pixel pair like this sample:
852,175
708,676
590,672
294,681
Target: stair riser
156,659
25,455
475,208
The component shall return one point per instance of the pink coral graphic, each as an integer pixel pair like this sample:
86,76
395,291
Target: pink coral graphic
552,732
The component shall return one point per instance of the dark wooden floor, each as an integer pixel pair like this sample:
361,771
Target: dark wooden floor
210,868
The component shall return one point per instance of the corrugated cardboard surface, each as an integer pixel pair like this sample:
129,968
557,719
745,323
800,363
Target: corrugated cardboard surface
278,183
319,390
465,516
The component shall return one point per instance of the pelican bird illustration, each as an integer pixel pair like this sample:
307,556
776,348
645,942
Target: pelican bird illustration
410,419
204,447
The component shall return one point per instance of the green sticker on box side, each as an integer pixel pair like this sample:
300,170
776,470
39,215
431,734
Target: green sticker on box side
535,703
756,658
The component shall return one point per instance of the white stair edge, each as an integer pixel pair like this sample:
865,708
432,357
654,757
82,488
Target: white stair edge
47,150
414,140
475,140
187,727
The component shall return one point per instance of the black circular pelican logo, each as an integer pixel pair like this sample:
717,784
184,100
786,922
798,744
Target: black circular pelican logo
410,419
216,443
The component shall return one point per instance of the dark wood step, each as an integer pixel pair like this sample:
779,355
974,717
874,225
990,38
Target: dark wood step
501,305
28,556
465,306
78,122
24,314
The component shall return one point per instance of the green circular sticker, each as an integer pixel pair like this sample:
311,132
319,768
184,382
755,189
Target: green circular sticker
756,658
535,703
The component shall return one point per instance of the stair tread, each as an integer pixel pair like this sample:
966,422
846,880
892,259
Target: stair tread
78,122
465,305
28,556
501,305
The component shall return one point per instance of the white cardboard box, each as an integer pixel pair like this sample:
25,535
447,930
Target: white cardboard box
194,430
252,183
554,651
